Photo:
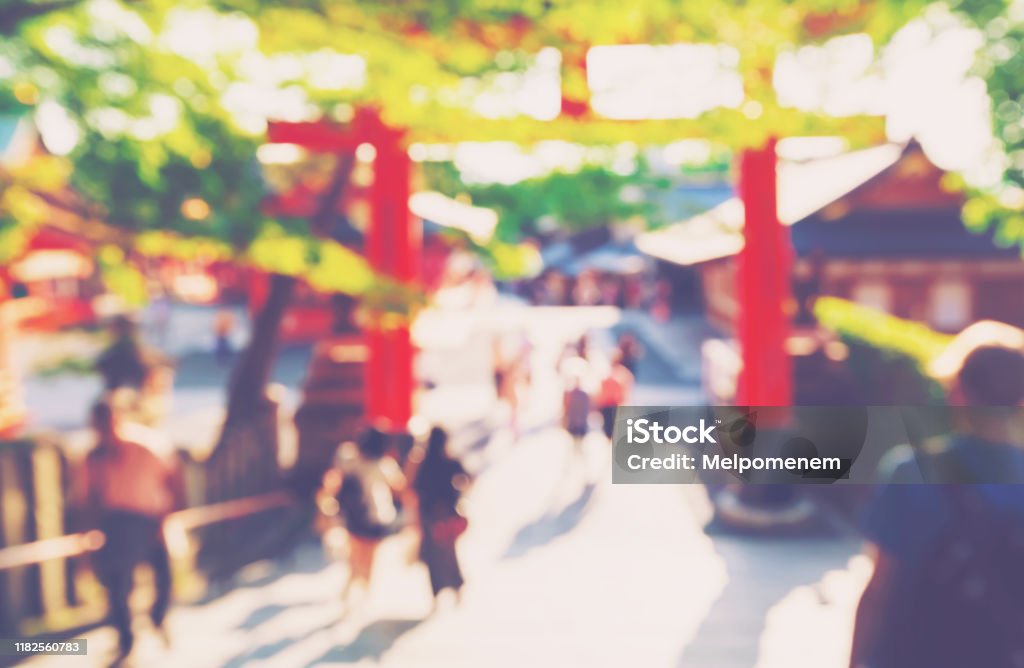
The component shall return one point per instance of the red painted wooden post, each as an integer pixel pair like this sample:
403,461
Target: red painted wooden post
393,246
763,286
319,136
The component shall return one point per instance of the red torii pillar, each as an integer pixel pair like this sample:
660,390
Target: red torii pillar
763,285
762,282
393,245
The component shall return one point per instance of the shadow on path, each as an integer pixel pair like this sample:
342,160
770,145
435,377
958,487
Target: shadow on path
306,558
372,642
762,570
551,525
269,650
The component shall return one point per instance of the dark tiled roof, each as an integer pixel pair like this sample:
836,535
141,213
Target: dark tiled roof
919,233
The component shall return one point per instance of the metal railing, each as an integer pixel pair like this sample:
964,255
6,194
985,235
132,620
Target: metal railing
80,544
48,549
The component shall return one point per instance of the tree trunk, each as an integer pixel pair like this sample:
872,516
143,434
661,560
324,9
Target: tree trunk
244,461
247,390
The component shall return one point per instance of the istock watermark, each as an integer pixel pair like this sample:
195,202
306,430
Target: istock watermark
652,431
802,444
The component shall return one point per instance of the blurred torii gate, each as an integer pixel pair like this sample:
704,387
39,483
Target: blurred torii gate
393,245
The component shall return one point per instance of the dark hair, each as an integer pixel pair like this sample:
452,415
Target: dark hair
436,444
102,412
102,418
992,376
373,444
123,325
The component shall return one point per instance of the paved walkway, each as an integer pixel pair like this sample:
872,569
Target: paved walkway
560,572
563,569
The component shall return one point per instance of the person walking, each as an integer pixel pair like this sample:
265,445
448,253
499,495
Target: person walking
661,303
124,363
947,589
439,483
630,352
223,327
131,483
511,377
576,412
365,480
614,392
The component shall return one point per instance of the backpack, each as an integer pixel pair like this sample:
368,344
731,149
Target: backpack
365,499
964,605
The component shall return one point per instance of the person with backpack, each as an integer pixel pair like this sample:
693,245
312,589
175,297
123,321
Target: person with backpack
947,589
366,481
439,482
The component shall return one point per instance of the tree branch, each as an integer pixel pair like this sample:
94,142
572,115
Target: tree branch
321,221
12,14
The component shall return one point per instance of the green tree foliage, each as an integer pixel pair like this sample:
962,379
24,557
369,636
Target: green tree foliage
1000,206
883,347
160,152
892,335
591,196
159,90
23,190
168,99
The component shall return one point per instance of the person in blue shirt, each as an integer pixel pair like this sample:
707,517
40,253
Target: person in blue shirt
946,536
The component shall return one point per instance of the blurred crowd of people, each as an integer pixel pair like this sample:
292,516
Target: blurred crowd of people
593,288
377,489
595,386
946,588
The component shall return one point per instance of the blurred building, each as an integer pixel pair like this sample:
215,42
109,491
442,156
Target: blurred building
876,226
50,280
53,281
